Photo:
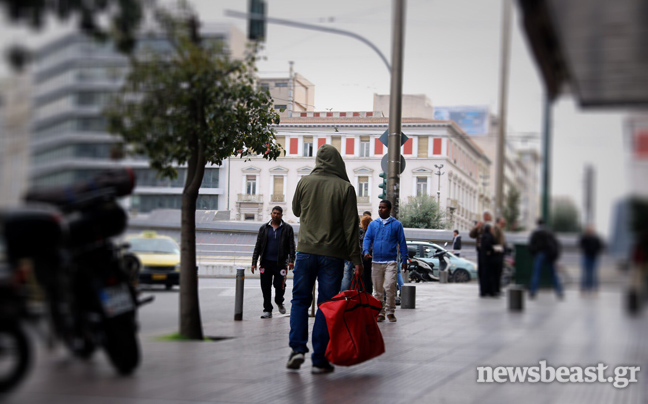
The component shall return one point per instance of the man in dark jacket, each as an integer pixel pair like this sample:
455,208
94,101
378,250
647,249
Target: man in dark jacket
591,246
276,247
545,249
456,243
326,203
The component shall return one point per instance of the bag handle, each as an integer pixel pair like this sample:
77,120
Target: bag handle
357,284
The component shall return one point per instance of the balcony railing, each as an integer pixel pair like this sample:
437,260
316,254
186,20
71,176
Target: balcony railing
363,199
278,198
250,198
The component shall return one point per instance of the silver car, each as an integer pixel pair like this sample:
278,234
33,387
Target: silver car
461,270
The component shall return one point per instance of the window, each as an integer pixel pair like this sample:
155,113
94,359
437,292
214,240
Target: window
364,146
249,216
280,106
210,178
308,146
336,141
422,146
421,186
281,141
363,186
250,184
281,84
278,188
265,87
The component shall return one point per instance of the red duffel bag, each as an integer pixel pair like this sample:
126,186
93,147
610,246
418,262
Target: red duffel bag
351,318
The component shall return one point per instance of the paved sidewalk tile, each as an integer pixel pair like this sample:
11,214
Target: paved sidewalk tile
432,356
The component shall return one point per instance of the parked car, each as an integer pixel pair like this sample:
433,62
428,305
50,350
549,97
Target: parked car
159,257
461,270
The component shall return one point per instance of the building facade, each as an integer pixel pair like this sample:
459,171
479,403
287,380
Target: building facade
292,95
74,77
258,185
15,111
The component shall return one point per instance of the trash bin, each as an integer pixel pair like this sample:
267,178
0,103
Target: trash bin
524,268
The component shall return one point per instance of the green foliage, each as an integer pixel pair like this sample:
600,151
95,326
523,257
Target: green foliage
511,211
422,212
124,17
565,216
193,102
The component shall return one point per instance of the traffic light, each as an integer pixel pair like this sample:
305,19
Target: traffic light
383,185
256,26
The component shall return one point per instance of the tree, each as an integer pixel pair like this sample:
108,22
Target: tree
564,215
192,106
511,211
422,212
124,20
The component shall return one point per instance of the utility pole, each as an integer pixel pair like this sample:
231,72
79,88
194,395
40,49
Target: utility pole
395,106
439,174
291,88
546,160
501,135
589,195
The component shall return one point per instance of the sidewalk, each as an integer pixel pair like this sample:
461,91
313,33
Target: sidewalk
432,355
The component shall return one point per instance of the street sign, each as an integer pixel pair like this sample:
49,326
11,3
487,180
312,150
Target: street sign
385,136
384,163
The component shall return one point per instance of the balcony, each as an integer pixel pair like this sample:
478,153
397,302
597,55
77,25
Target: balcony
278,198
452,203
250,198
363,199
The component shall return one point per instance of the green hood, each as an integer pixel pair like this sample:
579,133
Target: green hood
329,161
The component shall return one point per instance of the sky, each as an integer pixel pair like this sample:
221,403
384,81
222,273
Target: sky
451,55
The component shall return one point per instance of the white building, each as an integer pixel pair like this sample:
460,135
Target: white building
257,185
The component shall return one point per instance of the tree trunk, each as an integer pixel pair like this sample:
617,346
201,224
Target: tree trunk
190,321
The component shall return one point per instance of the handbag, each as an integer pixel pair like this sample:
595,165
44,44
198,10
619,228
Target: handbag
351,319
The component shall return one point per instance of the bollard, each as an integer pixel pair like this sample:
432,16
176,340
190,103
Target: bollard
238,299
516,298
408,297
443,276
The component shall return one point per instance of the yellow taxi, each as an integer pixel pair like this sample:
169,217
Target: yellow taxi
159,256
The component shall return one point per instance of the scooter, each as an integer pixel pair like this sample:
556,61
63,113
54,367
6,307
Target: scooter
419,270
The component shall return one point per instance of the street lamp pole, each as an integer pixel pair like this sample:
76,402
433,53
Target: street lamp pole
439,174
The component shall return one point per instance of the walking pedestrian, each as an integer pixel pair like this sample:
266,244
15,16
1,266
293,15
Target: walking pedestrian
326,202
591,246
366,262
275,246
384,238
349,267
545,249
456,243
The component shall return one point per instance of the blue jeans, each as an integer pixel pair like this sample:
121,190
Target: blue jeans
538,263
589,281
349,271
328,273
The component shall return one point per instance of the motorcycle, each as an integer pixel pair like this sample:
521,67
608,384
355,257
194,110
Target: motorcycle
86,278
15,349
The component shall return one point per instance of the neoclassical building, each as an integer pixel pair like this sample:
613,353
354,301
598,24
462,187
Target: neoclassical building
256,185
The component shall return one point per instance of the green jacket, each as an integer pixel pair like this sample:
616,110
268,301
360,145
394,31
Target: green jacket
326,202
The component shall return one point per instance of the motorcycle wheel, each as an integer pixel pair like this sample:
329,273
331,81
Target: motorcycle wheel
121,344
15,356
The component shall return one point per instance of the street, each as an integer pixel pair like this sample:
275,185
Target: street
432,354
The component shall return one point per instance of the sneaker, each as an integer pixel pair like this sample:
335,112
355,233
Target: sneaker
282,309
295,360
398,301
381,318
266,314
391,318
318,370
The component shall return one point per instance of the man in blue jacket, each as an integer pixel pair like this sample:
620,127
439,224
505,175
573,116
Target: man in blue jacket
385,235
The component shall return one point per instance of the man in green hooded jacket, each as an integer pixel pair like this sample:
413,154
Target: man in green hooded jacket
326,202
